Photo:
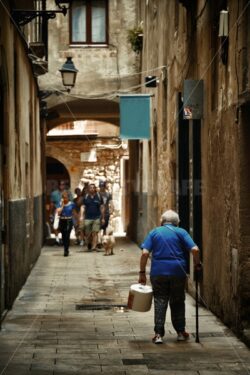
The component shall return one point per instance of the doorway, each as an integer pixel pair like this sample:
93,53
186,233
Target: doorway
189,186
55,172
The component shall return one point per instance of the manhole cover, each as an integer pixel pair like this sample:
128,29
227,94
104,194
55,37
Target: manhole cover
96,306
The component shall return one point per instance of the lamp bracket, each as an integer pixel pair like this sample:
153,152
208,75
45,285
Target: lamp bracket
44,94
22,17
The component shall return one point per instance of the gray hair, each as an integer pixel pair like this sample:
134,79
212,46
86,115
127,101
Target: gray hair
170,217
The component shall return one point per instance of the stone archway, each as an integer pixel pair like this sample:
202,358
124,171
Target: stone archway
99,135
101,110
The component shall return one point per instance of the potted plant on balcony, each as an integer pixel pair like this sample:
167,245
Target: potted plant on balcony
135,38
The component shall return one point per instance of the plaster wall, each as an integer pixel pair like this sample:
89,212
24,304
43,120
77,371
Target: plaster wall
21,177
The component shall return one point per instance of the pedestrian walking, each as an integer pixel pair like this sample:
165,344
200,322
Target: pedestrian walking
92,215
84,192
168,246
76,219
55,201
108,204
66,211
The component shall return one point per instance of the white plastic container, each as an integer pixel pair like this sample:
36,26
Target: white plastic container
140,297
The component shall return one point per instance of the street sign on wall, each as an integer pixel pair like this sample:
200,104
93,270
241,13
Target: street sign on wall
89,156
193,99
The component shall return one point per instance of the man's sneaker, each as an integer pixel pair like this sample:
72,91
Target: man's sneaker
157,339
182,336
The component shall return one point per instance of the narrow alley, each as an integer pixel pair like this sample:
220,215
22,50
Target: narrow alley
111,114
61,323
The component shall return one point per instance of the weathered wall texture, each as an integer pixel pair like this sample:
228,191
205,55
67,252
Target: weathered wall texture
185,40
21,176
163,54
102,70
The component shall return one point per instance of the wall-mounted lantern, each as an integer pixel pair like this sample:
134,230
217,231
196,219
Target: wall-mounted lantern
68,72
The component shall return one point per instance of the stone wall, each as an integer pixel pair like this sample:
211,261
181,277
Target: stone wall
184,41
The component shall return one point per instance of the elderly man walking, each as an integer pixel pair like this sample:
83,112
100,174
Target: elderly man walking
168,246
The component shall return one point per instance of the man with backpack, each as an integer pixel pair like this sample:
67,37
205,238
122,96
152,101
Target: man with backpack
93,215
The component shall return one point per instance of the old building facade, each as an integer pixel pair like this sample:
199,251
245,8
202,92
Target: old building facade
21,142
201,166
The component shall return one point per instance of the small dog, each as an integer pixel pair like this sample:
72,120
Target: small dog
108,241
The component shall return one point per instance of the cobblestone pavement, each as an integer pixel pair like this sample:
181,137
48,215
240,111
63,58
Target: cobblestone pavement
49,332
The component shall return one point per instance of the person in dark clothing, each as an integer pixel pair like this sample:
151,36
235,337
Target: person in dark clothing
78,201
168,246
55,200
92,214
108,203
66,211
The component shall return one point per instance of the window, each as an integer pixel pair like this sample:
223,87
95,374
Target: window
89,22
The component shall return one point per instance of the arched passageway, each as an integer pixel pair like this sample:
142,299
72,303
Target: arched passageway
89,146
89,151
61,112
55,172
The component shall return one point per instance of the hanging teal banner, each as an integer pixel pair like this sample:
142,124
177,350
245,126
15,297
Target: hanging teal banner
135,116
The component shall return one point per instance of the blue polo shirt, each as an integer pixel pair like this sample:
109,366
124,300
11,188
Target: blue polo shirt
168,246
92,206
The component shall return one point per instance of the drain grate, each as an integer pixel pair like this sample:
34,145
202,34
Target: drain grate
96,306
134,361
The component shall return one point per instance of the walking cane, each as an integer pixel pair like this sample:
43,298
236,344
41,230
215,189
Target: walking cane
197,339
198,277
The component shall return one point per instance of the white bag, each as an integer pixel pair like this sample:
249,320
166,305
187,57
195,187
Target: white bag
56,221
